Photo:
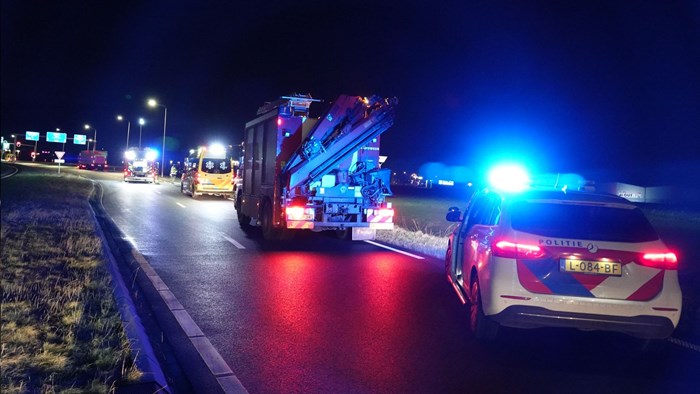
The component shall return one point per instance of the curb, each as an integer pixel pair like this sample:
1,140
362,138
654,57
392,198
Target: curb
152,378
191,361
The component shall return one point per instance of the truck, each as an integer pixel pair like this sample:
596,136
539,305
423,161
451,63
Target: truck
140,165
93,160
320,174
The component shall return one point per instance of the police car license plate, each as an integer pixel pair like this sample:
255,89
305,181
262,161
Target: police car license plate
591,267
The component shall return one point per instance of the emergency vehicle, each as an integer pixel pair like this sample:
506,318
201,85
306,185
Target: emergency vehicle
92,160
208,170
557,257
140,165
303,173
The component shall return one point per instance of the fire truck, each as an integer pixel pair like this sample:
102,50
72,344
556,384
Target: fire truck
140,165
319,174
92,160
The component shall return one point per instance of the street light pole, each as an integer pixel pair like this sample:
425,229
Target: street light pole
153,103
162,157
87,127
141,123
64,144
128,129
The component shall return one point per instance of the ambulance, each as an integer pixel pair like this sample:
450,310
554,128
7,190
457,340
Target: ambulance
209,170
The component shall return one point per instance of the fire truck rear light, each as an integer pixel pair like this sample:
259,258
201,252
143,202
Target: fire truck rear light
660,260
505,248
299,213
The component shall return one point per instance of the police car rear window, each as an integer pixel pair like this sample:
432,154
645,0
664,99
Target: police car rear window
216,166
582,222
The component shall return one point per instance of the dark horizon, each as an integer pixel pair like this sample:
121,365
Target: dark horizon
599,87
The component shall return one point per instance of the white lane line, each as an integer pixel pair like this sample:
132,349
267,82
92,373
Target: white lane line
233,241
180,205
395,250
685,344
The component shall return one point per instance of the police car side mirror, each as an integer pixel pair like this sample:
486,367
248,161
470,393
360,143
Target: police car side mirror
453,214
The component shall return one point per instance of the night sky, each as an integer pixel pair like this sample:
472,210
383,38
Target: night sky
608,88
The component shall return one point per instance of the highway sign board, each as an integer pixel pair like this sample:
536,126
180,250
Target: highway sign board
56,137
79,139
31,136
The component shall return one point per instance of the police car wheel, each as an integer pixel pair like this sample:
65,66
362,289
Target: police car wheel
481,326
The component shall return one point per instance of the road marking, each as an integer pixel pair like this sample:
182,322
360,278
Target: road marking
180,205
233,241
395,250
685,344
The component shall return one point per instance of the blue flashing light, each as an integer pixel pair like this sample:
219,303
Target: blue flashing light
509,178
217,149
151,155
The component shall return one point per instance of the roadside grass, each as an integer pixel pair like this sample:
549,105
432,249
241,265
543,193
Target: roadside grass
60,329
420,223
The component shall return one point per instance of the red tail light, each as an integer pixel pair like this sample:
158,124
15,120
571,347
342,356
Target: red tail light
667,260
196,178
515,250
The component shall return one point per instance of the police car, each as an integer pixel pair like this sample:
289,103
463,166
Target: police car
554,257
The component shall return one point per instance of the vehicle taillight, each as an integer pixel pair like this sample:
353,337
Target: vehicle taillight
667,260
515,250
196,178
299,213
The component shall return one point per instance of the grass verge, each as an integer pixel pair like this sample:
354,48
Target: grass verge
60,328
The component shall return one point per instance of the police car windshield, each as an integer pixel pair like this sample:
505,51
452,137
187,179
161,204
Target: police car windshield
216,166
589,222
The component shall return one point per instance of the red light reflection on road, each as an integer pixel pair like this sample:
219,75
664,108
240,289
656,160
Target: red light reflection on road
318,307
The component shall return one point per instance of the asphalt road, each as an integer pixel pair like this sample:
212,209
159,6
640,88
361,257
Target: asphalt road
321,315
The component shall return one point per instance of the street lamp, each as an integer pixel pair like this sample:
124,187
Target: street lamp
141,123
128,129
87,127
64,144
153,103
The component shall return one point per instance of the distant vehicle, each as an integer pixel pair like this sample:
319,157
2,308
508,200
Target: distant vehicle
302,173
140,165
93,160
562,258
8,156
209,170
